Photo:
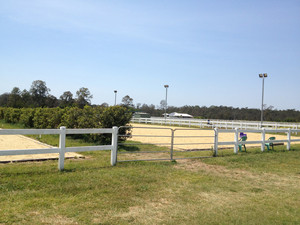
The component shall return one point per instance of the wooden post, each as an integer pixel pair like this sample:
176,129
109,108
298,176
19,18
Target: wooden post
114,143
62,148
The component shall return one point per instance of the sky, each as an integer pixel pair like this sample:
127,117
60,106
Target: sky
209,52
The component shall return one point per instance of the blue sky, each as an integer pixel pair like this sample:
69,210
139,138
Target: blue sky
208,52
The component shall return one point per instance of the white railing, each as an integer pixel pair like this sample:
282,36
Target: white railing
227,124
62,149
262,142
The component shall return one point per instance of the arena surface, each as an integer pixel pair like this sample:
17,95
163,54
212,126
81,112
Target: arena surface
14,142
187,138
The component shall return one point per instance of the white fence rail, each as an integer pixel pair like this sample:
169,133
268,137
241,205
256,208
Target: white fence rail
227,124
62,149
262,142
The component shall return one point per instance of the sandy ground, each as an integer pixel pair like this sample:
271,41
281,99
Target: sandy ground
13,142
188,138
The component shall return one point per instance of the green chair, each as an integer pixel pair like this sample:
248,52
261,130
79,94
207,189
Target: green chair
244,138
270,144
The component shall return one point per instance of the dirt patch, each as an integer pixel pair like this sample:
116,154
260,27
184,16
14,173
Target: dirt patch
239,174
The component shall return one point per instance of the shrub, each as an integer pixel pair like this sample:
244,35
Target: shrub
47,118
73,117
2,113
70,117
115,116
26,117
11,115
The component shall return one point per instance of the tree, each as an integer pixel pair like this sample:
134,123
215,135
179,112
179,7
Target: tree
4,99
66,99
83,97
15,99
163,104
51,101
39,92
127,101
104,104
27,98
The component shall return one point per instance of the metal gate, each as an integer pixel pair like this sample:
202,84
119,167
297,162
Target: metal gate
162,143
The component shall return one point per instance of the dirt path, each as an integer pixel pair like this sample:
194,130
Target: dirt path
13,142
188,138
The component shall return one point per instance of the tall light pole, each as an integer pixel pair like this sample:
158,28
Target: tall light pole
166,86
262,75
115,96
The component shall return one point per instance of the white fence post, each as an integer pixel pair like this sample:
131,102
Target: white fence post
114,143
288,146
62,148
172,144
263,139
216,142
236,140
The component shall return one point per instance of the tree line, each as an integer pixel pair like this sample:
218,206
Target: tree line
39,96
226,113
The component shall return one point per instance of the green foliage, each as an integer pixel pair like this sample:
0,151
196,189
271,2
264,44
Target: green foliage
83,97
71,117
47,118
2,113
12,115
66,99
115,116
26,117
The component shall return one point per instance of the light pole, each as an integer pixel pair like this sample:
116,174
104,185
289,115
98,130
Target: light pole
262,75
115,96
166,86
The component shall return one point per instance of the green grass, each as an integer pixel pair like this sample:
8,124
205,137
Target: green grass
248,188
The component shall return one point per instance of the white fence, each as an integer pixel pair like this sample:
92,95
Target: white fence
262,142
227,124
62,149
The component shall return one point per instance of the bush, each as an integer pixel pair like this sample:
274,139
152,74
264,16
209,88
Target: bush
26,117
2,113
115,116
47,118
73,117
11,115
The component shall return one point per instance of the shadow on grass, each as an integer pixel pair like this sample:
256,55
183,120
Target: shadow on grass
128,148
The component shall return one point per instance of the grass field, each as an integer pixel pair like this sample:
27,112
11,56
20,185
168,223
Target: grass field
248,188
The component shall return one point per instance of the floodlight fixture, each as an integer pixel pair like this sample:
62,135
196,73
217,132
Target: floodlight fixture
115,96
